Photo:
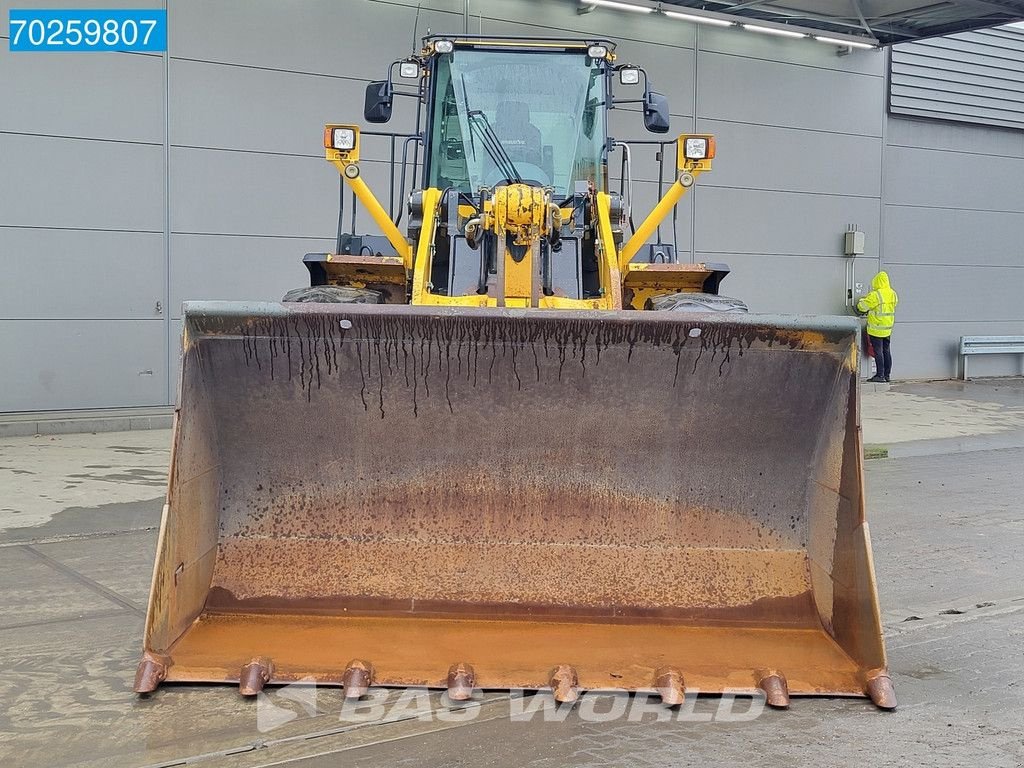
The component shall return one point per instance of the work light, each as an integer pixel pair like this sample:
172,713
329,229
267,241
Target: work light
629,75
696,148
409,70
597,51
340,138
343,138
444,46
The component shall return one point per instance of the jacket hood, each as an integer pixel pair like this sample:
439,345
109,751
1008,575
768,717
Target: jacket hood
881,280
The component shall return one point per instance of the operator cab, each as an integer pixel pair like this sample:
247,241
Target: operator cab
533,114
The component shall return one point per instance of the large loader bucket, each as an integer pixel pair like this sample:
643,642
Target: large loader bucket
368,494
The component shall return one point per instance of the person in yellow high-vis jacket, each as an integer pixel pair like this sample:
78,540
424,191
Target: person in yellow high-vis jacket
880,306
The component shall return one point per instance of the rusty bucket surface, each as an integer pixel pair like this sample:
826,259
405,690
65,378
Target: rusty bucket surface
515,498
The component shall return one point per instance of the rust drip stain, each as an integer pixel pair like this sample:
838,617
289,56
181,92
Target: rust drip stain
421,348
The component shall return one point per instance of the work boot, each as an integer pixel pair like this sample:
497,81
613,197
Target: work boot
877,380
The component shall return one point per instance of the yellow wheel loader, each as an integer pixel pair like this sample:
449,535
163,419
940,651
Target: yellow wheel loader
510,441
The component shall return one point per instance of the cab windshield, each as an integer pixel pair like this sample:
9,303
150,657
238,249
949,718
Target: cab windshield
501,117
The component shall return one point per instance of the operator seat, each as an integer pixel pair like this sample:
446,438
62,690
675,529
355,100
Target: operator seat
520,138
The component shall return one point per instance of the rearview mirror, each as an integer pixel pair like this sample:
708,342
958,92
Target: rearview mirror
656,117
379,101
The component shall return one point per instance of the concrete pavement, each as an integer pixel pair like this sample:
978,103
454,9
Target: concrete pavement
78,517
943,416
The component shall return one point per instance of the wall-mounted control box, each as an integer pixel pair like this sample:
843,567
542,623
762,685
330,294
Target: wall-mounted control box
854,243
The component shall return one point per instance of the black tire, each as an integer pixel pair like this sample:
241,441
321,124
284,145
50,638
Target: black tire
333,294
696,302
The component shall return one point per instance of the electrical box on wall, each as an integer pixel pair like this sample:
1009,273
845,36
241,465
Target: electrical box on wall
854,243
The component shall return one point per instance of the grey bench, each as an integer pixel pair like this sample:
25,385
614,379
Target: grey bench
988,345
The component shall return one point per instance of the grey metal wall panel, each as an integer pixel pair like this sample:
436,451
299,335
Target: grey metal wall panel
931,293
273,111
102,95
51,182
954,179
782,284
80,274
915,235
783,223
268,110
323,36
223,192
66,364
768,48
974,77
671,72
222,267
786,159
775,93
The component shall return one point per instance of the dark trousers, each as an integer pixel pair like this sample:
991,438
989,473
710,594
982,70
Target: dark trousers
883,359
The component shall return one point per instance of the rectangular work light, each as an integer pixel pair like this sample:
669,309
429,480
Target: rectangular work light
343,139
699,147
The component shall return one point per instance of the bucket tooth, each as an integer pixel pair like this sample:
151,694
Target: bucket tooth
461,681
151,672
880,689
775,687
255,675
565,683
669,683
357,679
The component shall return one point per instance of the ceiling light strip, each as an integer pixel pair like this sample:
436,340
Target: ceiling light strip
773,31
720,20
621,6
698,19
837,41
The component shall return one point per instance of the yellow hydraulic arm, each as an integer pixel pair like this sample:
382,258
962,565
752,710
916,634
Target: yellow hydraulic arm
342,145
693,157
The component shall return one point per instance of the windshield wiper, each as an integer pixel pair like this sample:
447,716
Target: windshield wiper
478,122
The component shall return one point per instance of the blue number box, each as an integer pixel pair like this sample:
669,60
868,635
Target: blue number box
88,30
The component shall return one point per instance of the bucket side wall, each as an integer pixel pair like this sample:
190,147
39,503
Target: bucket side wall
187,545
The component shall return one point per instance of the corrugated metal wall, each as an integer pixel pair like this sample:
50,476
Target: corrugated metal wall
975,77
